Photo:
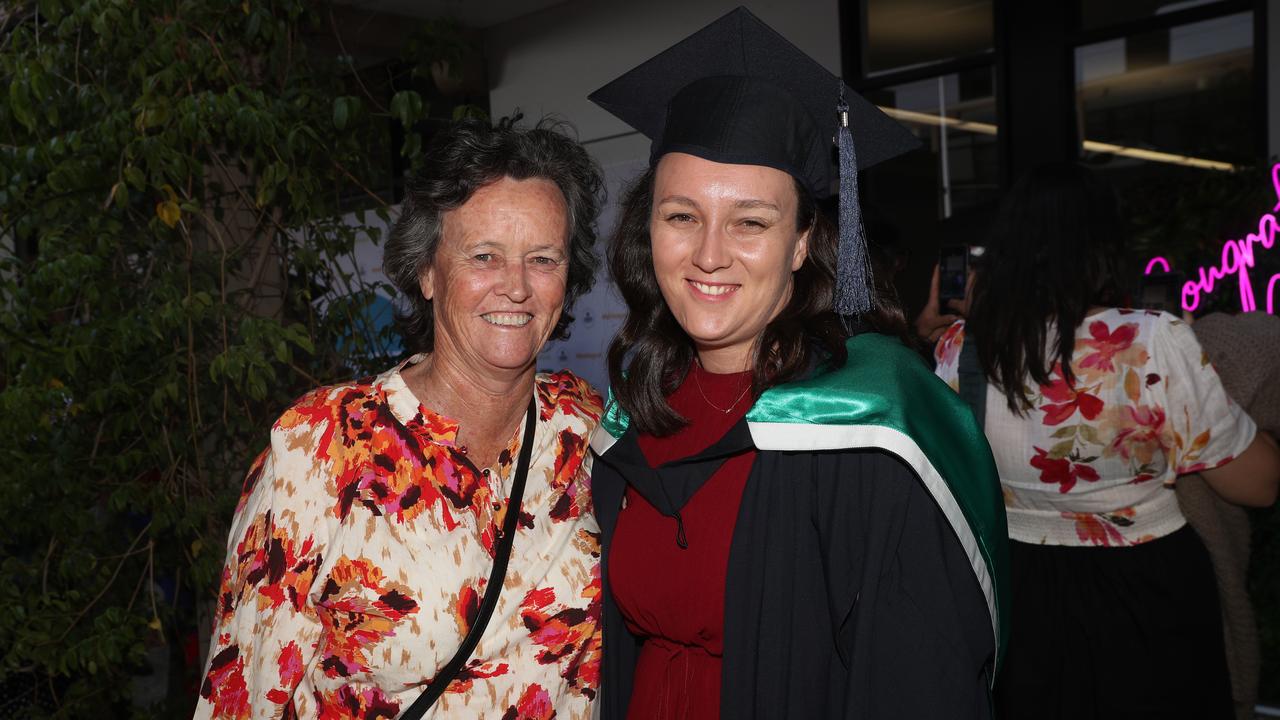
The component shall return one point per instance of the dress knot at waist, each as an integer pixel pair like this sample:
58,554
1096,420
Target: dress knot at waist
676,679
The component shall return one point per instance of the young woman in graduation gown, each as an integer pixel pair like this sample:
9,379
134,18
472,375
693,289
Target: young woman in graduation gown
798,520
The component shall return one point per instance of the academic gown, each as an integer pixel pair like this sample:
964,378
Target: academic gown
867,571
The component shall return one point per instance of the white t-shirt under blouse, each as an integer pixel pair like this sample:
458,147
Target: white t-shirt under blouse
1094,463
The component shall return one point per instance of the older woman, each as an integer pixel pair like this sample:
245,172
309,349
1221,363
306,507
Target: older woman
796,524
370,565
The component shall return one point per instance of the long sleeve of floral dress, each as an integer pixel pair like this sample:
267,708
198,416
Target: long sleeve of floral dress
361,548
266,628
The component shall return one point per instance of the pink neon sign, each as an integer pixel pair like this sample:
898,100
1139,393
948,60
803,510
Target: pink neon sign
1237,259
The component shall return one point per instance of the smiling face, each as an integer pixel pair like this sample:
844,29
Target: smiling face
725,246
497,282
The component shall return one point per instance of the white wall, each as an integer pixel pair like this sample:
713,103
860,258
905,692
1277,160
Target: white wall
546,63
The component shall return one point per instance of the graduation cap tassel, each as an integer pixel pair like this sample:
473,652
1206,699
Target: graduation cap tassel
853,267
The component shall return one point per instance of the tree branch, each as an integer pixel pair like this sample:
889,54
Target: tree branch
83,611
333,23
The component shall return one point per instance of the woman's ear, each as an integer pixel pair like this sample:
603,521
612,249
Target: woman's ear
426,283
801,251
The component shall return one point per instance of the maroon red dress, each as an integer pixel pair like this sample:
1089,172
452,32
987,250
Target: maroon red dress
673,596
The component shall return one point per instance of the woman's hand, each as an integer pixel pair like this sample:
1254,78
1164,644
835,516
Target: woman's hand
931,322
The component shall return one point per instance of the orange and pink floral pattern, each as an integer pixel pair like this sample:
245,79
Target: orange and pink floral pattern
1093,462
360,550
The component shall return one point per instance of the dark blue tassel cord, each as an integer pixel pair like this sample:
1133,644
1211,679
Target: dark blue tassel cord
853,267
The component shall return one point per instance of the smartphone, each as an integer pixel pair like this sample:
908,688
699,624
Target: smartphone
1161,291
953,273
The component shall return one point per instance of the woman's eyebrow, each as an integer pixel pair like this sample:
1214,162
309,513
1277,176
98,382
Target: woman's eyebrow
547,247
748,204
756,205
678,199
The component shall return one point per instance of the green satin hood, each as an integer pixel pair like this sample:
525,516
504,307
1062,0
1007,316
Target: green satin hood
886,397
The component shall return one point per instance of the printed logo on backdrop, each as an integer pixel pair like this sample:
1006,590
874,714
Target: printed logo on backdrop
597,316
1237,259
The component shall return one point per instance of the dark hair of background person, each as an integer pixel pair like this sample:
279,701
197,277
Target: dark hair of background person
651,354
1056,249
887,255
459,161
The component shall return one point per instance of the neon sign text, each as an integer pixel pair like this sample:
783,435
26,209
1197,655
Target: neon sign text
1237,259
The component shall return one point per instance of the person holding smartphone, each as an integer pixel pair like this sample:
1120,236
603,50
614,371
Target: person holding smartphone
949,289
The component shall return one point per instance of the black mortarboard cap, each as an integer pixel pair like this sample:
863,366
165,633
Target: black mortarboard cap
738,92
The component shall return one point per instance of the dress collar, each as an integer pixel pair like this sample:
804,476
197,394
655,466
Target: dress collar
422,420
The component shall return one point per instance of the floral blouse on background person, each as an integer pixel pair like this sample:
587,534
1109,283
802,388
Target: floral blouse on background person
1094,464
328,581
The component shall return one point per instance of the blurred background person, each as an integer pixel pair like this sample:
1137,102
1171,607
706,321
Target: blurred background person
1241,347
368,549
959,254
1115,612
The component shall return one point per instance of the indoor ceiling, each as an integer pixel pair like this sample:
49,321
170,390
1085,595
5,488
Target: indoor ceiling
904,33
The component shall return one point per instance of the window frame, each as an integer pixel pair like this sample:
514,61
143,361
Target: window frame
852,21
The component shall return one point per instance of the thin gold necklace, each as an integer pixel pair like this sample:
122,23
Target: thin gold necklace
732,405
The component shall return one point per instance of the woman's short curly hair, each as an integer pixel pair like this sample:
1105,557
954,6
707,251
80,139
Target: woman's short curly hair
461,160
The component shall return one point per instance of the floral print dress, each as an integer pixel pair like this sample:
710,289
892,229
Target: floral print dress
1094,462
360,550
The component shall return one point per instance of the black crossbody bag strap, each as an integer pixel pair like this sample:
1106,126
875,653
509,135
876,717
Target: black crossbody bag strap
973,381
501,556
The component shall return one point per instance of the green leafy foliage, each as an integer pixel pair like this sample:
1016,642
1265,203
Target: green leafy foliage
171,258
